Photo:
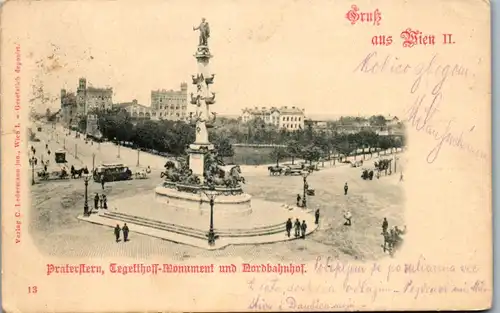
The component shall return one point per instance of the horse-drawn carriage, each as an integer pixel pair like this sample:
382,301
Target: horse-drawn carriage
291,170
60,156
53,174
393,239
276,170
112,172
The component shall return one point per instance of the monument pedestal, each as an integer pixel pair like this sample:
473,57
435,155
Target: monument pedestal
196,202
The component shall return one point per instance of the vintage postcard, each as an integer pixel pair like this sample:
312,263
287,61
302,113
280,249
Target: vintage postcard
246,155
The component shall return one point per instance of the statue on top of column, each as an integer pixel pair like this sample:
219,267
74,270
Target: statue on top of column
204,32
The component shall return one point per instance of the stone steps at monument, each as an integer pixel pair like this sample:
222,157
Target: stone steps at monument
194,232
177,229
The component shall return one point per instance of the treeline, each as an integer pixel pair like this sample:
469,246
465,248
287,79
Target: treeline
173,137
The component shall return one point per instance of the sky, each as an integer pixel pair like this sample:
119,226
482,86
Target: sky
266,53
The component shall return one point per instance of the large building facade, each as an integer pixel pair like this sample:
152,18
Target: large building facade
89,98
137,111
288,118
85,101
170,104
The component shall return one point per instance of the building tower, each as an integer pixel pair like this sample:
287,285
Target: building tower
202,99
81,97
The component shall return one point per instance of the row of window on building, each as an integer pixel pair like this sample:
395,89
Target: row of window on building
291,119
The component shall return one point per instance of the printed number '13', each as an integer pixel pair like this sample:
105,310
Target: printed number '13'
32,289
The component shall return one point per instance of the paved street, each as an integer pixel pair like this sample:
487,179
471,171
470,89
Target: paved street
56,231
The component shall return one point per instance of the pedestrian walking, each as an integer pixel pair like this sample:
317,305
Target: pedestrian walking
297,228
345,189
125,232
298,199
117,232
348,217
102,181
385,225
96,201
316,217
104,202
401,177
303,227
289,226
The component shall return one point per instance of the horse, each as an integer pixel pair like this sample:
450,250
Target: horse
77,173
393,240
275,170
235,172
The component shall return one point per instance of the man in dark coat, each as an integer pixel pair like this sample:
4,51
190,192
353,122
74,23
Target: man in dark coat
345,189
316,216
303,227
297,228
298,199
96,201
289,226
385,225
125,232
102,181
104,202
117,232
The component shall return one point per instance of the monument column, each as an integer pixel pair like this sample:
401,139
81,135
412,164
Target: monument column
202,99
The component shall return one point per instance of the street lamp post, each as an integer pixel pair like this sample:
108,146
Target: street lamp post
211,194
76,151
33,170
118,143
64,143
138,152
304,200
93,162
86,178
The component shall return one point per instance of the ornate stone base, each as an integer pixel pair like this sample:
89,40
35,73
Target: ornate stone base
228,202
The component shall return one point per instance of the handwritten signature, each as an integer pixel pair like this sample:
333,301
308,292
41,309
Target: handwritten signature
421,115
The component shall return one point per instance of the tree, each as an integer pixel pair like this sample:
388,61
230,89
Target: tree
343,147
384,143
224,147
377,121
278,153
293,149
311,153
368,138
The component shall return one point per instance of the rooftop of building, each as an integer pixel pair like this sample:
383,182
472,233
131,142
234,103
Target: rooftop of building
128,104
98,89
183,89
270,110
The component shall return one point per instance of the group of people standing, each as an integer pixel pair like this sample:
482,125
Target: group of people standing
300,228
125,231
102,200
